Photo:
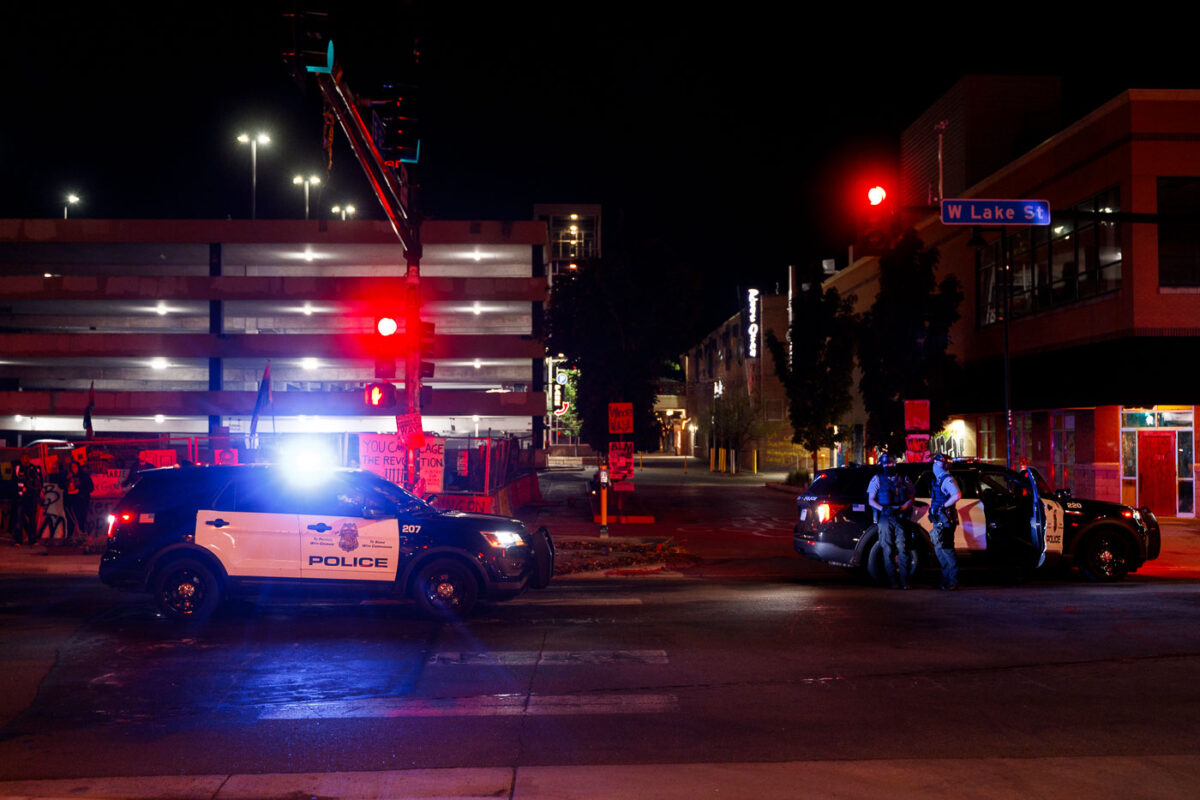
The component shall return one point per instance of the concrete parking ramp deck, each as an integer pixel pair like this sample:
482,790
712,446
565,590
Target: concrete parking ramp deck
1095,777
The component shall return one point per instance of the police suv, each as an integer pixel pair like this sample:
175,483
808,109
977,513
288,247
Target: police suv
1007,520
193,535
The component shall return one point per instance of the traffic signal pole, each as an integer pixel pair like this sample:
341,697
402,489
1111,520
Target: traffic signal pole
383,180
388,190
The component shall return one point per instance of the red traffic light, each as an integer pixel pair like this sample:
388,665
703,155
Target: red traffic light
876,195
380,395
386,326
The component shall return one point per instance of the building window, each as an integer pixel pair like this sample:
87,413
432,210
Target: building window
985,440
1062,451
1022,435
1183,445
1051,266
1179,241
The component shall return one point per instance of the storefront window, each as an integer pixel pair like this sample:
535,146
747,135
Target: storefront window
1138,418
1129,454
1176,421
1062,444
1183,444
985,444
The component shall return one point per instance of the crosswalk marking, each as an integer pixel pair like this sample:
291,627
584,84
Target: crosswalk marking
497,705
523,658
528,600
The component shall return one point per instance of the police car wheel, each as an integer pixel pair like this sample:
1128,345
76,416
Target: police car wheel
445,590
186,589
1103,557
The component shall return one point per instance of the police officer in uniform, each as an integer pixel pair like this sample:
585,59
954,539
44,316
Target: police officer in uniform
891,496
29,496
943,516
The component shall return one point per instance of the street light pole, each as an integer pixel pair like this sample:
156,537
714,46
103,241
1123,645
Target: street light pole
306,182
254,142
344,211
72,199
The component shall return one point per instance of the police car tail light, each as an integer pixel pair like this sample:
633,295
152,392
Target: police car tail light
502,538
827,511
125,517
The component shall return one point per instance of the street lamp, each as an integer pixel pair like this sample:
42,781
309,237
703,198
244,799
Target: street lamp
312,180
72,199
345,211
254,142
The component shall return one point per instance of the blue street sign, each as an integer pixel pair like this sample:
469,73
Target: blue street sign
995,212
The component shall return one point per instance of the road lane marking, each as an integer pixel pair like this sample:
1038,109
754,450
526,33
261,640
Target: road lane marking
523,658
576,601
498,705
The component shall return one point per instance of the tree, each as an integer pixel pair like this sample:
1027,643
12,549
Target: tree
904,339
606,318
734,420
817,378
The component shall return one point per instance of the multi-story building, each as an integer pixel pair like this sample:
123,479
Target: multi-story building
1102,305
731,365
174,323
572,235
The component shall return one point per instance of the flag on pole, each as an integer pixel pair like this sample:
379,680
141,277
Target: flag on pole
87,412
263,399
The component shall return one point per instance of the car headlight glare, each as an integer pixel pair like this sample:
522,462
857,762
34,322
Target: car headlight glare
502,538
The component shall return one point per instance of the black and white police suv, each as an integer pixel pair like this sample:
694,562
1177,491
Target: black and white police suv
1007,520
194,535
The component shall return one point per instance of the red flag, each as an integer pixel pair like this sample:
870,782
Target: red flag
87,412
263,399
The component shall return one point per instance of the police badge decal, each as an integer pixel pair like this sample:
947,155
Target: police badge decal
348,537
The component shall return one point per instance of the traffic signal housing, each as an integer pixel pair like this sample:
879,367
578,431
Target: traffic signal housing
876,224
395,128
425,349
305,42
380,395
385,345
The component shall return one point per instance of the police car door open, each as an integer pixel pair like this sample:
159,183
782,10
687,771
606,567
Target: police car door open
1045,523
344,545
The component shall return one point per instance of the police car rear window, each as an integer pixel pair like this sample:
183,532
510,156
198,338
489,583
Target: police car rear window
174,488
841,482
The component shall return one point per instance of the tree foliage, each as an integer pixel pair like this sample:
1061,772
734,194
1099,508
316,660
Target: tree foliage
818,379
607,319
904,340
735,419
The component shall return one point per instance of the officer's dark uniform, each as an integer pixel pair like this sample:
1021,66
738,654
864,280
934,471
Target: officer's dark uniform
29,493
891,492
945,522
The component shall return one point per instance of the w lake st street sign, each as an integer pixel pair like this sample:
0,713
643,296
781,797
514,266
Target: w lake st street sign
995,212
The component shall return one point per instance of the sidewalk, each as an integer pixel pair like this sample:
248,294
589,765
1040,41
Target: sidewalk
44,560
1099,777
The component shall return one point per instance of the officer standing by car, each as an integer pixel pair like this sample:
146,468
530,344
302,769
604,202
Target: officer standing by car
891,496
943,517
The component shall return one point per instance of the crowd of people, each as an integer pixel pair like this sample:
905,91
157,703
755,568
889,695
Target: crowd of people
52,508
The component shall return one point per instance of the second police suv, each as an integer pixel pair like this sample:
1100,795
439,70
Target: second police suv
194,535
1007,520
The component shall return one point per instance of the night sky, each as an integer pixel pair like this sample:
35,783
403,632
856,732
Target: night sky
742,136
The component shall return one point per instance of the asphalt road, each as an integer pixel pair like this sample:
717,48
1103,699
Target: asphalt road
722,679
